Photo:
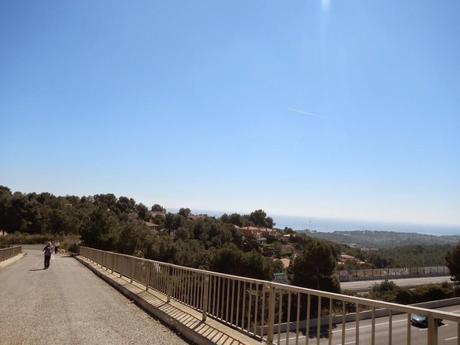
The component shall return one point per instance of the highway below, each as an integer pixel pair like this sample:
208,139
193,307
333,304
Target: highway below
447,332
366,285
68,304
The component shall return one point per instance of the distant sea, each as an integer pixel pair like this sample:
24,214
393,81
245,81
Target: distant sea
330,225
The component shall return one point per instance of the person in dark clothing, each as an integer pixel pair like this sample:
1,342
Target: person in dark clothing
47,251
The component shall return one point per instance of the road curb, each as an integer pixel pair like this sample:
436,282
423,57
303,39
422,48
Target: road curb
12,260
184,331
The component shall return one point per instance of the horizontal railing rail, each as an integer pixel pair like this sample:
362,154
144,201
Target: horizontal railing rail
6,253
273,312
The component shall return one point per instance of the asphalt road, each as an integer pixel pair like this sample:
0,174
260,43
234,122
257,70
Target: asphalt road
366,285
68,304
447,333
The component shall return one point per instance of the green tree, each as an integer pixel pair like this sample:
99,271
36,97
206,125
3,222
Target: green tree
314,268
5,200
231,260
125,205
453,263
378,260
259,218
224,218
106,200
142,211
131,238
173,222
101,229
386,291
235,219
158,208
185,212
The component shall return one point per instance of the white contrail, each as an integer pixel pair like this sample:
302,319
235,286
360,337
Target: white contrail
294,110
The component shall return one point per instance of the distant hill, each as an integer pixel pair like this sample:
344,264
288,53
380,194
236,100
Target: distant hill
382,239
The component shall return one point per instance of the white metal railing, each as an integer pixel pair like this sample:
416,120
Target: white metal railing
279,313
6,253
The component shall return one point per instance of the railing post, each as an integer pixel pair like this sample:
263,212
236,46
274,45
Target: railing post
205,297
132,271
147,281
169,283
432,331
271,315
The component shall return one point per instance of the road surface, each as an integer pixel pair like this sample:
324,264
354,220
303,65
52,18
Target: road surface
447,333
68,304
366,285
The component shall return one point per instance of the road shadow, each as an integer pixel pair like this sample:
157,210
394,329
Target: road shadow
36,269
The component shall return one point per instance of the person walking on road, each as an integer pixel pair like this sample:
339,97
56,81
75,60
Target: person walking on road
47,252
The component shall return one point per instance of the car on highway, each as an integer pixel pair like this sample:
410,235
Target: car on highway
422,321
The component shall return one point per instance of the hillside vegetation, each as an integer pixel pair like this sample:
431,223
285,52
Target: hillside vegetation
229,244
248,245
383,239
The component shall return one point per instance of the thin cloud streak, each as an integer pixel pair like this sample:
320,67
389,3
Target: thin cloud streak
303,112
326,5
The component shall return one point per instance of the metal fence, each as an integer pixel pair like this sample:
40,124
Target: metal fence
279,313
392,273
6,253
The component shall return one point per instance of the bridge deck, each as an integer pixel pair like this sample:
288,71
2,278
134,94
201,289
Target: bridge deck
68,304
211,330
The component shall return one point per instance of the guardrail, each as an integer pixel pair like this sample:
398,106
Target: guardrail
392,273
6,253
269,311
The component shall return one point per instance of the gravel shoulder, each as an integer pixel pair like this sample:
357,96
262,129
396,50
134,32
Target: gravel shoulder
68,304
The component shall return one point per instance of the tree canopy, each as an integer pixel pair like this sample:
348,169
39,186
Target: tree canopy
108,222
453,263
257,218
314,267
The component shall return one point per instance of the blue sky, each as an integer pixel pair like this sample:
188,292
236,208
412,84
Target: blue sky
336,109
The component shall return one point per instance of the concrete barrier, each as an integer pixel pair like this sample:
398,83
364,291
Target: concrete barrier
6,253
391,273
